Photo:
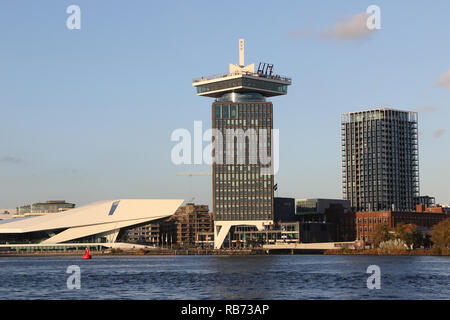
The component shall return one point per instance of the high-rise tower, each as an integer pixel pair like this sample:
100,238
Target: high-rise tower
242,121
380,160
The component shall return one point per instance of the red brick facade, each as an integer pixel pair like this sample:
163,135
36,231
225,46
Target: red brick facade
367,221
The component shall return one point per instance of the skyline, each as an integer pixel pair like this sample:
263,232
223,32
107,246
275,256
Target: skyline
83,107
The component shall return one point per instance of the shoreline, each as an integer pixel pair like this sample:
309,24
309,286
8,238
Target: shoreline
222,252
138,253
376,252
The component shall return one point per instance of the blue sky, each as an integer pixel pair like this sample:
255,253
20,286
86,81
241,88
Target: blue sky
87,114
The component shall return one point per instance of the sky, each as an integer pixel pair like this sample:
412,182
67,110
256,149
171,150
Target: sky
87,114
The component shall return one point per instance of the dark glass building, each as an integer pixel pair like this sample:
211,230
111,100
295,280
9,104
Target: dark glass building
243,162
380,161
240,190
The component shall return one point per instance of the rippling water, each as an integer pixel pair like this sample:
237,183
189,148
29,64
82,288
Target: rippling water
231,277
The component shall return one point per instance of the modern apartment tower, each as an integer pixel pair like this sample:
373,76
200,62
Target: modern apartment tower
380,160
242,123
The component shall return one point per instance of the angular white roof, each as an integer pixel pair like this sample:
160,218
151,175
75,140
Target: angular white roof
97,217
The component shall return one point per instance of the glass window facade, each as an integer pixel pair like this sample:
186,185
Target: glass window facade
240,189
380,165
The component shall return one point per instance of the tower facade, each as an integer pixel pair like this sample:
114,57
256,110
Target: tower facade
243,161
380,160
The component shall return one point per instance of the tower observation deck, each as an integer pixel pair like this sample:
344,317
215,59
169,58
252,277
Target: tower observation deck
242,121
243,79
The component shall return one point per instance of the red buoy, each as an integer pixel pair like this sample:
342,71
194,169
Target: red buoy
87,254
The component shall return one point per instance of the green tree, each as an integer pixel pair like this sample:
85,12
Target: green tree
381,234
440,234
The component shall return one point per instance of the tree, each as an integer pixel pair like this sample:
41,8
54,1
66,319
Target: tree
409,234
440,234
381,234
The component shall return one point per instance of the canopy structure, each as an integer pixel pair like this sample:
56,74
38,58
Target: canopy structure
101,221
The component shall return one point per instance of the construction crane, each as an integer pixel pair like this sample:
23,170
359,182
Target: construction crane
193,174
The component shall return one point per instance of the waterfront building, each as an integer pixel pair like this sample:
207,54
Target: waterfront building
320,220
103,222
324,220
282,232
41,208
147,234
380,161
284,209
242,121
425,219
183,228
186,225
205,239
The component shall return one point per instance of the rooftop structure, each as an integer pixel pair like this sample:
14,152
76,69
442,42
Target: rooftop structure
320,206
243,79
41,208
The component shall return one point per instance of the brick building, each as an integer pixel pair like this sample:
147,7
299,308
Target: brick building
180,229
144,234
425,219
188,221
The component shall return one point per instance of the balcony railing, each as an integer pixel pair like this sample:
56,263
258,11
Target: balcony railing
253,74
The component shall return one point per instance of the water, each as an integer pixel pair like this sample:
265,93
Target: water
230,277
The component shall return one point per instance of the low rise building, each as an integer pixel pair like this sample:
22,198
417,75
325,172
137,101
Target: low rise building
426,201
325,220
144,234
187,222
186,226
42,208
102,222
320,220
250,236
425,219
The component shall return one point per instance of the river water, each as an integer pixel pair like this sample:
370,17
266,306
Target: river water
226,277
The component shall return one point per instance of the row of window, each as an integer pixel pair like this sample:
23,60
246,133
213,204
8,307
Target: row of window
243,123
232,111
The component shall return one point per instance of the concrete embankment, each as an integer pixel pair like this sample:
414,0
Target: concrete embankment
138,252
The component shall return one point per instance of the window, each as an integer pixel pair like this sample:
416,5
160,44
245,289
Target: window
113,208
233,112
225,109
218,111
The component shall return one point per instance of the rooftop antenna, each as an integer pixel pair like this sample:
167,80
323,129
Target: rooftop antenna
241,67
241,52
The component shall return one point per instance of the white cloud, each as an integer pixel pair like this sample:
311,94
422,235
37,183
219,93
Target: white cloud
348,29
444,80
439,133
352,28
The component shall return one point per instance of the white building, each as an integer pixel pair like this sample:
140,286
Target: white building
99,222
